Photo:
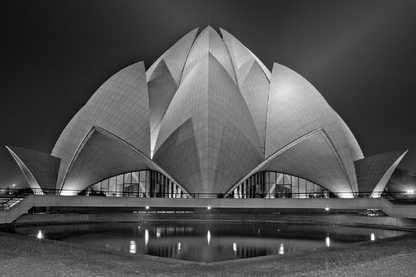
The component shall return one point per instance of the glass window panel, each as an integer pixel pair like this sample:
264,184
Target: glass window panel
252,185
135,177
295,187
147,186
280,179
131,190
266,190
163,186
309,187
126,190
267,177
295,181
112,186
272,177
288,191
142,189
120,179
173,190
119,190
286,179
127,178
247,188
97,186
317,189
104,185
302,188
169,191
143,175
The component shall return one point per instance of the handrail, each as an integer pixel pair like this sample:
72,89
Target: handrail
11,199
395,197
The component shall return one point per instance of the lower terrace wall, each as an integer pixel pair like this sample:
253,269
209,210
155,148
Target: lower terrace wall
383,222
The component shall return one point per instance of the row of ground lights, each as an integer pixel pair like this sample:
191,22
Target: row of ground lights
209,208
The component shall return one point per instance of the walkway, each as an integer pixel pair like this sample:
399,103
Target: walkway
33,200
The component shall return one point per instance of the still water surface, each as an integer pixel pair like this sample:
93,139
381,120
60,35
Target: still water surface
206,242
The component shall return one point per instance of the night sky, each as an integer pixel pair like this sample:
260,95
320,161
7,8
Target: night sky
360,55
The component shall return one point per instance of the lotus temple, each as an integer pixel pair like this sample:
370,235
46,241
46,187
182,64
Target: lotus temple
207,120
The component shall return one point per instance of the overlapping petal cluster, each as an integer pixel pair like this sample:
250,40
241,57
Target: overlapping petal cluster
208,114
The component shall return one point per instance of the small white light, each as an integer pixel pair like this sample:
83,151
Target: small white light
132,247
281,249
147,207
327,209
209,207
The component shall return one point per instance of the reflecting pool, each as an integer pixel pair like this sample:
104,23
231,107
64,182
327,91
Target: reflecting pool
206,242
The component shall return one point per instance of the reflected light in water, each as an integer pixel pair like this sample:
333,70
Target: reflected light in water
281,249
132,247
195,242
146,237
